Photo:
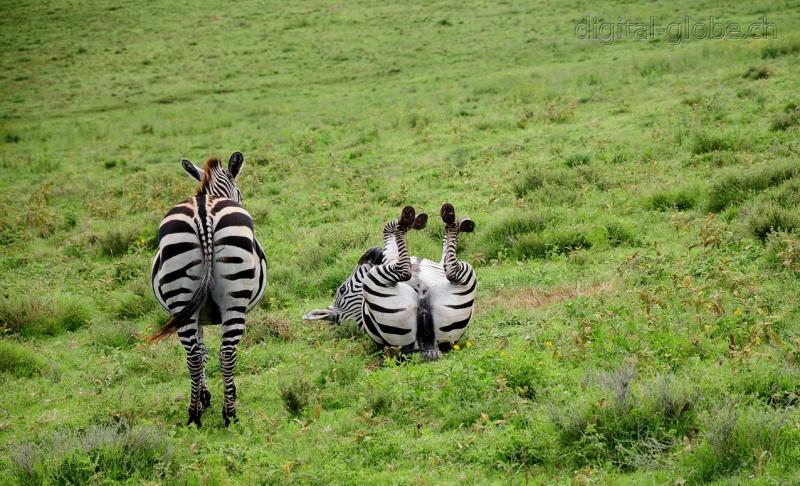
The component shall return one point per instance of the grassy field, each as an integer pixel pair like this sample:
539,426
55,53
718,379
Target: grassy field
637,241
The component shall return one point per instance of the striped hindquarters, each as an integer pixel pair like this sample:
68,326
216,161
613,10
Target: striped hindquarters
178,265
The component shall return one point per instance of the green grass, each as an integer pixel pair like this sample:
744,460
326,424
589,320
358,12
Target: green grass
636,241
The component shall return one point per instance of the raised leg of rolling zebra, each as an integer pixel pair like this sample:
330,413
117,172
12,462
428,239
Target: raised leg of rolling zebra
188,335
399,270
232,330
205,395
457,272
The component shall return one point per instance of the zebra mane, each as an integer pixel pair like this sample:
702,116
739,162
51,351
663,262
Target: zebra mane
212,165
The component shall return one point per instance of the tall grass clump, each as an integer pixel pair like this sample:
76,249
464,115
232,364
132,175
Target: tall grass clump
551,242
769,217
704,142
782,251
625,423
739,186
19,361
789,118
116,334
43,315
780,48
681,199
738,438
506,227
577,159
100,454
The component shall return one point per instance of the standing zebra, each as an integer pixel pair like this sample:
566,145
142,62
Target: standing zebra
405,301
209,260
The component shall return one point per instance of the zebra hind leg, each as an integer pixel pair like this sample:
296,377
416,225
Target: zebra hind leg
188,334
457,272
205,395
232,330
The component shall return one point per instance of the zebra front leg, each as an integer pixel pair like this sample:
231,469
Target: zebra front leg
232,330
458,273
188,334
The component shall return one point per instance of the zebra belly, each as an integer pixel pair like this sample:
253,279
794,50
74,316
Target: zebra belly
391,318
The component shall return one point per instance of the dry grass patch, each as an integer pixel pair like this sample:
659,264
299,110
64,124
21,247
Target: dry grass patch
532,298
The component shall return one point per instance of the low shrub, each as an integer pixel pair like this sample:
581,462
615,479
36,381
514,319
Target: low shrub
626,423
737,438
43,315
100,454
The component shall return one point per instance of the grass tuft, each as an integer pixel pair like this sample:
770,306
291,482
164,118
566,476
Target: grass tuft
739,186
682,199
19,361
35,315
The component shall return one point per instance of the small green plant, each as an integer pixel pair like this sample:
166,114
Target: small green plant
295,396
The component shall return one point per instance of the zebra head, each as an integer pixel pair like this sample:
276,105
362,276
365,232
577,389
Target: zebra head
348,299
214,179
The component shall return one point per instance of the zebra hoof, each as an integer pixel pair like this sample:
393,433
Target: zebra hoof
448,213
420,221
194,418
430,354
406,218
466,226
205,399
229,417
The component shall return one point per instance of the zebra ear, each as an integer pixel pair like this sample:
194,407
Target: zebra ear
319,315
191,169
235,163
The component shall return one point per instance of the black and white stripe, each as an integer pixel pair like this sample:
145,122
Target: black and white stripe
209,260
409,302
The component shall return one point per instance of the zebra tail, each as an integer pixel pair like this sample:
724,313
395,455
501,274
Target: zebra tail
426,335
198,299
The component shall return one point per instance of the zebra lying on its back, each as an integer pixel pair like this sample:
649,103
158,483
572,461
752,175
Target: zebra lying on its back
209,260
405,301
